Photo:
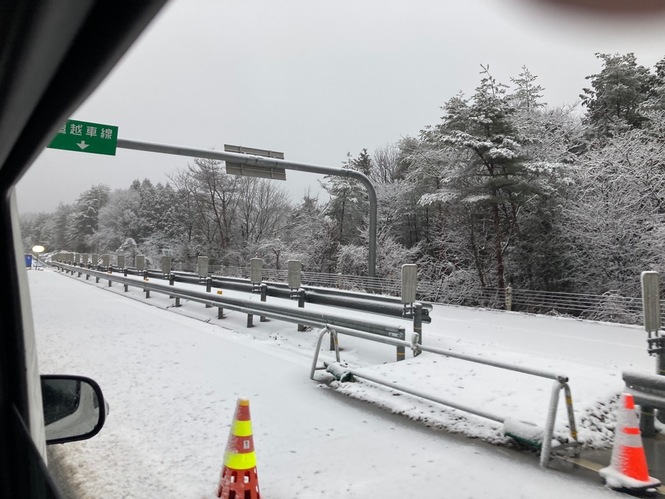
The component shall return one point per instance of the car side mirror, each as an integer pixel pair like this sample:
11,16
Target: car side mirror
71,408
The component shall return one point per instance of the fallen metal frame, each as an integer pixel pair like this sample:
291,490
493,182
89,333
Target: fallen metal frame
560,383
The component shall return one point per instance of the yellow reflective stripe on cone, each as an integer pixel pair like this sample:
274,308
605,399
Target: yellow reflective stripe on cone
240,461
241,428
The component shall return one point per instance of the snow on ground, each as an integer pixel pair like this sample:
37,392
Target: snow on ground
172,384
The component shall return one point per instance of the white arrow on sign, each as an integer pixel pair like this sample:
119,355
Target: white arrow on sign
82,145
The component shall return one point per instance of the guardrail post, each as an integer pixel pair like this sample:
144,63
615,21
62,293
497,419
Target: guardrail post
401,351
208,284
661,371
509,298
96,279
110,283
87,277
264,296
126,287
171,283
647,422
177,301
220,313
301,304
147,293
418,321
250,320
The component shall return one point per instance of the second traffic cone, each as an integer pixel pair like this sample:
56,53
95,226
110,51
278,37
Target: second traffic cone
239,479
628,468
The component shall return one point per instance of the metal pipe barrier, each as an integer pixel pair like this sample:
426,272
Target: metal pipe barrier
560,383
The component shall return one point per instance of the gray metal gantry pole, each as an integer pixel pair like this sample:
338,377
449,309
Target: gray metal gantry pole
259,161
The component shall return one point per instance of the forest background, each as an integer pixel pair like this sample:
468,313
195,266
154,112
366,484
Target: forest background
504,190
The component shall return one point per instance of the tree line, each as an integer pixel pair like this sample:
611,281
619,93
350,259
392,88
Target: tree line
504,190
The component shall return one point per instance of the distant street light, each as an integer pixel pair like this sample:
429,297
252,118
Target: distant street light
38,249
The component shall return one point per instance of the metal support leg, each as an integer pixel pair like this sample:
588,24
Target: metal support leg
647,422
322,333
546,449
661,371
177,301
301,304
147,293
220,313
250,320
418,321
571,412
264,296
208,289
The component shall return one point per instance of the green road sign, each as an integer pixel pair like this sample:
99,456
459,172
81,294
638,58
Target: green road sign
86,137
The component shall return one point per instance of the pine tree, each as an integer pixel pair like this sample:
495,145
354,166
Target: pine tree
528,94
348,202
617,94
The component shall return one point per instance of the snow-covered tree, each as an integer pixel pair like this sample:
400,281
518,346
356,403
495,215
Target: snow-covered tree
615,217
118,220
348,202
617,93
484,166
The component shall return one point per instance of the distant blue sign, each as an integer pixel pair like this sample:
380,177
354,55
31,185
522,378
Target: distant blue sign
28,261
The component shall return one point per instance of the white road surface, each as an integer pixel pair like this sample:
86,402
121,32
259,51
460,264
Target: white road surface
172,383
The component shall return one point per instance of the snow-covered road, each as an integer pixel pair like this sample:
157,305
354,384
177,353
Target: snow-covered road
172,384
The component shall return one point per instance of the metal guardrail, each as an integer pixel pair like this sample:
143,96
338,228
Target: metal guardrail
610,306
648,390
379,304
560,383
249,307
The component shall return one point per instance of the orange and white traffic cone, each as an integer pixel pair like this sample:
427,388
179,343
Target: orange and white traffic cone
239,479
628,468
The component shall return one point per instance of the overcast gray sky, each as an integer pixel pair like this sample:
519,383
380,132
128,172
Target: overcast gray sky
319,78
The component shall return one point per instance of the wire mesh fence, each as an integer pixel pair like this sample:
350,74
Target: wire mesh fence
610,306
